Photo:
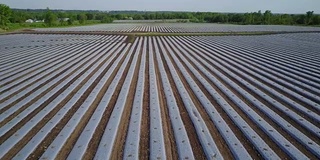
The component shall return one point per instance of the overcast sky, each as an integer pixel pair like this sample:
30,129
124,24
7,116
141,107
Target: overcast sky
276,6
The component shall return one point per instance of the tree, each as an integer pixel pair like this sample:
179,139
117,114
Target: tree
50,18
287,19
70,21
17,17
62,15
82,18
5,13
316,20
236,18
106,19
90,16
300,19
267,17
248,18
257,17
137,17
120,16
309,18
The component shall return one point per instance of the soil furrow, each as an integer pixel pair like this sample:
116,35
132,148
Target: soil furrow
297,100
80,49
117,152
171,150
276,110
262,67
246,143
191,131
35,82
66,149
95,141
145,121
252,124
271,86
37,64
37,128
220,142
51,136
274,124
35,99
18,63
280,129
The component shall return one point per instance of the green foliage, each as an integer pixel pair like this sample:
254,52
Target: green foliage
137,17
17,17
267,17
62,15
182,21
106,19
90,16
70,21
50,18
5,13
195,20
55,18
82,18
309,18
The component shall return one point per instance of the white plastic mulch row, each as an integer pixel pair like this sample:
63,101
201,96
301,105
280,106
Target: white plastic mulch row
26,151
132,145
180,133
28,126
259,143
264,76
40,90
294,132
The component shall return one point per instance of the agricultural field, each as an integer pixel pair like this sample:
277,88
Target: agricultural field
184,28
160,97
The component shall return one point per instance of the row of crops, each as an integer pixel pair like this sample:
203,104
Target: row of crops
183,28
186,97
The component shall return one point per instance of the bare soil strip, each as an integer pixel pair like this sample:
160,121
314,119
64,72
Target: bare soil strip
278,90
37,64
220,142
35,82
94,142
298,84
246,143
49,138
171,147
260,132
191,57
18,63
283,114
274,124
117,152
38,97
73,48
85,119
191,131
145,124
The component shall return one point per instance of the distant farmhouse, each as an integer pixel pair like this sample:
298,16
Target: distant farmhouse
32,21
29,21
64,19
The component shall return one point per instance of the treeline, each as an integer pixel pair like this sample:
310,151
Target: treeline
255,18
48,18
74,17
58,18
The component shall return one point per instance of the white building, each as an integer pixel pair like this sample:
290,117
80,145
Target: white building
29,21
63,19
